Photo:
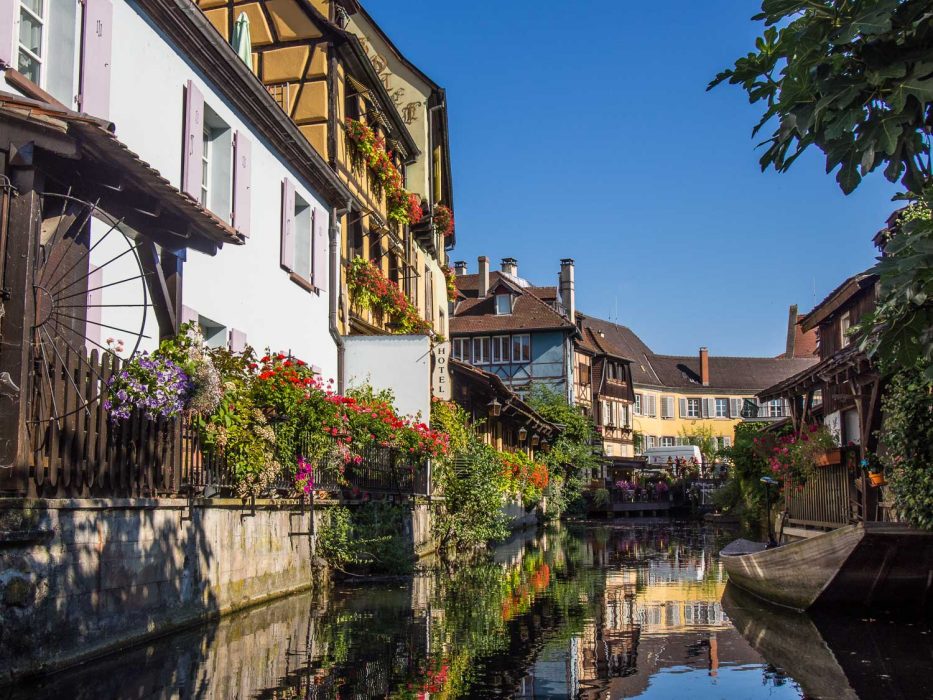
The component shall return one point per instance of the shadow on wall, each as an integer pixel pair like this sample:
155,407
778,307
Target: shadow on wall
81,577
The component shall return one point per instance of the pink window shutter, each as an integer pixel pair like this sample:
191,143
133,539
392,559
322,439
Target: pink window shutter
96,57
241,183
319,247
288,225
7,15
237,340
191,165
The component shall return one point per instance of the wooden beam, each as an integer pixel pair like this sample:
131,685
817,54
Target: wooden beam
162,303
16,331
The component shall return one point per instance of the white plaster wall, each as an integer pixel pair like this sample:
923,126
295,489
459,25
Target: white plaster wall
401,363
241,287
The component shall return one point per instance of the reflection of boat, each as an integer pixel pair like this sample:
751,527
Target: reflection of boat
836,658
867,564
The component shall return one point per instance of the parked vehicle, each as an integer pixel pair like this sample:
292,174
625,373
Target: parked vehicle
662,456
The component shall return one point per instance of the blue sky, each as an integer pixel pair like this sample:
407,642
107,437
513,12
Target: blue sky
583,129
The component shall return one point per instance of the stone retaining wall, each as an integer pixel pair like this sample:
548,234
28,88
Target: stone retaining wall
81,577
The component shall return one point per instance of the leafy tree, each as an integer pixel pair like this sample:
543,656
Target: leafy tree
855,79
703,437
570,458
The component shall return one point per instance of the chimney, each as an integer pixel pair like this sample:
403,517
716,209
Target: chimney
791,347
704,366
510,266
483,275
460,267
567,295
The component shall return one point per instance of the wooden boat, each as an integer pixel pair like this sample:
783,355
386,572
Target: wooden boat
866,565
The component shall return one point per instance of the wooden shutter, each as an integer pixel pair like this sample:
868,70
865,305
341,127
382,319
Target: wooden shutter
319,249
188,315
683,408
96,57
237,340
191,165
653,406
7,19
287,255
242,154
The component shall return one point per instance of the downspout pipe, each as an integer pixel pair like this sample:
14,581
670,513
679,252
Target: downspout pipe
335,287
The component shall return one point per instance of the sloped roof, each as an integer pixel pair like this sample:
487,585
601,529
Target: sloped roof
476,314
622,342
740,373
838,297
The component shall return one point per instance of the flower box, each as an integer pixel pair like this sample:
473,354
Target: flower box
829,458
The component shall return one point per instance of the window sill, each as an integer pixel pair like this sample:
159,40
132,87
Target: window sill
303,283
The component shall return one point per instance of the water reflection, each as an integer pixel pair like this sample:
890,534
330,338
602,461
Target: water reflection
600,612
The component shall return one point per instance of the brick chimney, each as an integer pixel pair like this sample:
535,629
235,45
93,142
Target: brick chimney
510,266
704,366
566,290
483,275
791,346
460,267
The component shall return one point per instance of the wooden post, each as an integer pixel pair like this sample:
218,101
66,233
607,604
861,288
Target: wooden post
16,332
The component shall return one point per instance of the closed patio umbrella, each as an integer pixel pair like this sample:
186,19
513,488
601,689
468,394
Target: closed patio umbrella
241,41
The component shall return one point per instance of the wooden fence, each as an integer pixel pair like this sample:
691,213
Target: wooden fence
826,500
77,451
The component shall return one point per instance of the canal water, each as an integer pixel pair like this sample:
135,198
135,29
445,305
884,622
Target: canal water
598,611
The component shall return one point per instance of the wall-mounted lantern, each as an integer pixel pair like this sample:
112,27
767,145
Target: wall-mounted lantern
495,408
535,439
522,435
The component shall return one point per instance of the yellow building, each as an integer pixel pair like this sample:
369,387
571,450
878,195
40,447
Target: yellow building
329,66
675,396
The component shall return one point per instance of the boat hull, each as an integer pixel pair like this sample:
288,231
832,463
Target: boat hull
867,565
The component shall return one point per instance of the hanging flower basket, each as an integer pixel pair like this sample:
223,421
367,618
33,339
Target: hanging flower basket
443,220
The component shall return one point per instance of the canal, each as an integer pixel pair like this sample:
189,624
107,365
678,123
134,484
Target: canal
601,611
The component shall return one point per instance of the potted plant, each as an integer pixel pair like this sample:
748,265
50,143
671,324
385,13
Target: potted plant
872,465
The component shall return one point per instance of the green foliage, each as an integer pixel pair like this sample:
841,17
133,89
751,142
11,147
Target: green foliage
370,537
907,436
601,499
855,79
744,494
570,459
471,480
703,437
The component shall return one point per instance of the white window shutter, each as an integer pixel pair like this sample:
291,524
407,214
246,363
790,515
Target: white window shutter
654,406
96,54
704,408
7,22
319,249
735,408
683,408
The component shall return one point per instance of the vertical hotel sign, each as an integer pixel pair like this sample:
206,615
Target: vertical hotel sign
440,374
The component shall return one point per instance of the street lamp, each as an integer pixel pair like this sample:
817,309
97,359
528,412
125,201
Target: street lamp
769,482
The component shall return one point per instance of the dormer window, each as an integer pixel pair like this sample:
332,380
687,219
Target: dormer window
503,304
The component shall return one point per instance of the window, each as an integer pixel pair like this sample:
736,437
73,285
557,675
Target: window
217,166
650,405
776,408
667,407
722,408
583,374
681,441
302,238
845,322
693,408
650,441
31,39
461,349
637,404
521,348
480,351
667,442
503,304
356,238
500,349
726,441
429,296
735,407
